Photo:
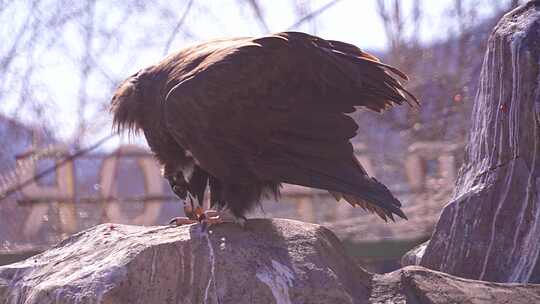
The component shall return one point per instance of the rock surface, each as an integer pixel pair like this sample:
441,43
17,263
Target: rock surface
414,256
272,261
416,284
490,229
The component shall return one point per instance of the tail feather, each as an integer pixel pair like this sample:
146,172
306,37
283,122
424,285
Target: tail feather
343,180
383,213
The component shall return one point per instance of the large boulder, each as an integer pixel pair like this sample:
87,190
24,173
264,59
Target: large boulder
490,229
271,261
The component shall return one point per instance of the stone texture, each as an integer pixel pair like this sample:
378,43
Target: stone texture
414,256
490,229
273,261
416,284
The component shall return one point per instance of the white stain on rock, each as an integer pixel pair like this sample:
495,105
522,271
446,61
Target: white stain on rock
278,278
212,268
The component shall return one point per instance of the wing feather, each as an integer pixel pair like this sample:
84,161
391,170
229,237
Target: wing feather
273,109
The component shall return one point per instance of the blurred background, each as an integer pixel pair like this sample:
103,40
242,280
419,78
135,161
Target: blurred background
61,60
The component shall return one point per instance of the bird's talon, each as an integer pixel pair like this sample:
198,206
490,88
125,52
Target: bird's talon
199,211
214,220
179,221
211,213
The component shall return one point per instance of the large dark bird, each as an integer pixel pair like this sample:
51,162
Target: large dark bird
241,116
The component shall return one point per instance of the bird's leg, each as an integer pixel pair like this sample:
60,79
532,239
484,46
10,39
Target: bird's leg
198,214
190,218
179,187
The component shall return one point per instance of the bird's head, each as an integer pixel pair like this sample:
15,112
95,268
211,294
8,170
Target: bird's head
128,104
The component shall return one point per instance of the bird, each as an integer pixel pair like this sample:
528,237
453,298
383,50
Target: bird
241,116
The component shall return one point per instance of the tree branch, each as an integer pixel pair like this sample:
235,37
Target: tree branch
313,14
177,27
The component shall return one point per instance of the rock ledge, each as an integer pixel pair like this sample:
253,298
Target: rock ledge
272,261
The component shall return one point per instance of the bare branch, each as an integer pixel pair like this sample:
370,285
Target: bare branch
86,69
259,15
394,24
8,58
177,27
9,191
416,21
313,14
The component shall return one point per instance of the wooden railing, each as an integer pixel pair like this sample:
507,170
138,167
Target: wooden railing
428,167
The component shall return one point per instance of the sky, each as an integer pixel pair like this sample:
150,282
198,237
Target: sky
353,21
349,20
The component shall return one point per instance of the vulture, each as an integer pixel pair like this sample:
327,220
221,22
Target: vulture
241,116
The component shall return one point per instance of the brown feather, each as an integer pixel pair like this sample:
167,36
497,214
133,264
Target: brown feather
250,113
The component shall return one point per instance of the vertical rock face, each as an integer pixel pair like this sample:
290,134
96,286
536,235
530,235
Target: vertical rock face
491,228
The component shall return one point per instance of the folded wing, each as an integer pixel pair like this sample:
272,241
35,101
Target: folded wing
274,109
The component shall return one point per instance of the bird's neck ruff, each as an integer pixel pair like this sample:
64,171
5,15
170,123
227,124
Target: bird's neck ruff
126,108
135,105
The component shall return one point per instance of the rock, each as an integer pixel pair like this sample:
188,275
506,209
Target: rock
490,229
414,256
414,284
272,261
